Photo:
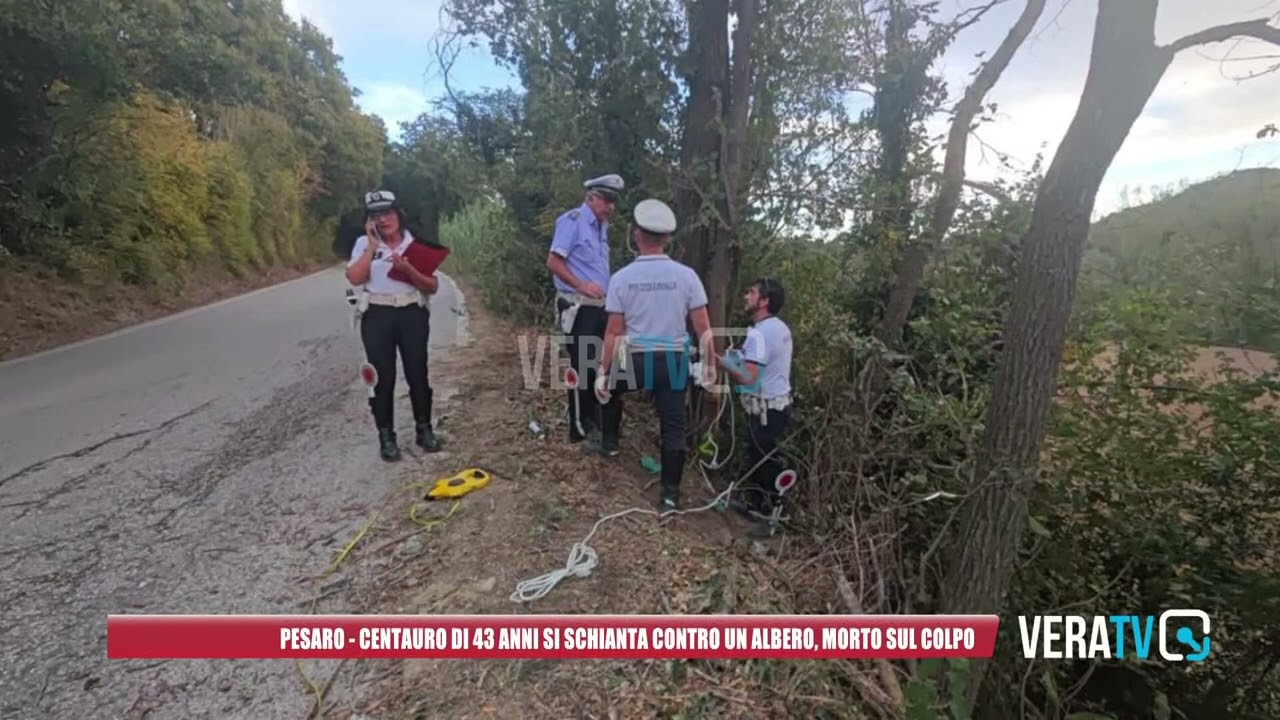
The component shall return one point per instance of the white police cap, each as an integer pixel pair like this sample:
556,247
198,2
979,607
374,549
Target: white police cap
654,216
607,184
379,200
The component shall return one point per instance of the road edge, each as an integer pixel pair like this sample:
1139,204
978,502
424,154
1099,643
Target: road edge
162,319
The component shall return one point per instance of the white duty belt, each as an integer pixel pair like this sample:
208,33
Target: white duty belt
761,405
576,299
403,299
571,313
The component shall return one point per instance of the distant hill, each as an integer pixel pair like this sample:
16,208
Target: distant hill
1214,247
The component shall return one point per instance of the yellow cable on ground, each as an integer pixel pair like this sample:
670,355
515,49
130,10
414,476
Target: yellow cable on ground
413,514
311,688
309,685
342,555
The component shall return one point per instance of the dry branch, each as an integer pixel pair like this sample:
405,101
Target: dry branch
1260,29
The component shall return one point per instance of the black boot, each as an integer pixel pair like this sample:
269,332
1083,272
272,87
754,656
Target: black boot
605,443
426,437
768,520
672,470
603,446
387,438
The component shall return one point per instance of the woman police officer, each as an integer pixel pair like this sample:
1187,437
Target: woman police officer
396,316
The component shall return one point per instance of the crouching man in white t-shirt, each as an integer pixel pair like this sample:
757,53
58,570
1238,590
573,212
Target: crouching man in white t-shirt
764,381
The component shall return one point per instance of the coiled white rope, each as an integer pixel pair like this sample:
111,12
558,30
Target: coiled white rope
583,558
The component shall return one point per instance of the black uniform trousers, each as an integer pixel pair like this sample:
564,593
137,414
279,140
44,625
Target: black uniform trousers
385,330
664,374
760,491
584,344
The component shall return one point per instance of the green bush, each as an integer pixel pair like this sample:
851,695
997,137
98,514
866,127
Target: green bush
230,214
134,189
509,272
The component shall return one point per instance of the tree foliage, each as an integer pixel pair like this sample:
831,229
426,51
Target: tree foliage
147,141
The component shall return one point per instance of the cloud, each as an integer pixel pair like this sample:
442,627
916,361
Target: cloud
387,51
394,103
1198,122
351,24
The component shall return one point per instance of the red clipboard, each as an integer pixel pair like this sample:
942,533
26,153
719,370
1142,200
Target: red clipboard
424,258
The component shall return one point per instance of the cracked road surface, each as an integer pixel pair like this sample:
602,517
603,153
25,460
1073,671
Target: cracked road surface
209,462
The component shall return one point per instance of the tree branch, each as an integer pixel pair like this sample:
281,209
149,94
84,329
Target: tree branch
972,16
1260,29
989,188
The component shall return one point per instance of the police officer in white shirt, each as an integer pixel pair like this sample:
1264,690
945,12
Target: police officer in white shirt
649,303
395,315
764,378
579,262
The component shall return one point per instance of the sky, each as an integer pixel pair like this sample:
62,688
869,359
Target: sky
1201,121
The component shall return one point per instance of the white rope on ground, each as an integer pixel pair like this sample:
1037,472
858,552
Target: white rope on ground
583,558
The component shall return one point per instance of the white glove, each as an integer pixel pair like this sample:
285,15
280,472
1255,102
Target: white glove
704,374
709,375
602,389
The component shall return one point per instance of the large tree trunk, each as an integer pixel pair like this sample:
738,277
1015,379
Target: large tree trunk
711,186
1125,67
722,265
739,110
701,146
698,186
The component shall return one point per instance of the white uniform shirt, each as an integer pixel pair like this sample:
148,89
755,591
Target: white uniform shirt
378,282
768,344
655,294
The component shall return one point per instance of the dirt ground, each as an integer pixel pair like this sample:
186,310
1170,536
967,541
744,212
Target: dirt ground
42,311
546,495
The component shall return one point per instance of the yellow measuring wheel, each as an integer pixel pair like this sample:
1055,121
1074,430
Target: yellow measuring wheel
458,485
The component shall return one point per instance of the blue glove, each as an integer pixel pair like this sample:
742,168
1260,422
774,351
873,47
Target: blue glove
733,361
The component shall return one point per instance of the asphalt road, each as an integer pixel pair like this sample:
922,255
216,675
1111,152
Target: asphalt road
208,462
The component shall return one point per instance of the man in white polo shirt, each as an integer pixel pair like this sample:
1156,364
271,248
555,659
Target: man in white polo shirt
649,303
764,381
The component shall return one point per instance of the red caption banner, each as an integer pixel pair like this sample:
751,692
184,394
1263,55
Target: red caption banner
509,637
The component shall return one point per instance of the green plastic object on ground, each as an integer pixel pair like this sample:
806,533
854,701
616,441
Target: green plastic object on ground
648,463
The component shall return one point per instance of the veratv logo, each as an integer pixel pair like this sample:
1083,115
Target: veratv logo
1078,637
